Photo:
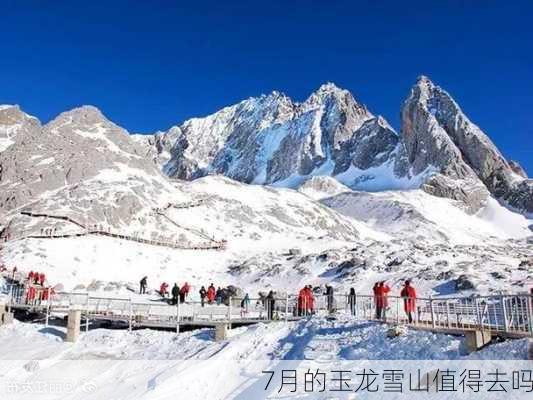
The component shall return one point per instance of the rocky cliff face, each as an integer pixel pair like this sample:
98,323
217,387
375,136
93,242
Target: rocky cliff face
76,146
468,165
272,139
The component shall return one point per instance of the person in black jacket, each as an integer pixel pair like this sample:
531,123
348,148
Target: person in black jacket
270,304
351,300
329,298
203,295
142,284
175,293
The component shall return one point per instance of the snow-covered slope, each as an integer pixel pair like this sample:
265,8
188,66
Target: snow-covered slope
423,217
156,365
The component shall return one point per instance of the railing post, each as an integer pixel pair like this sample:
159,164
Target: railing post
355,313
287,308
10,302
504,311
87,314
48,308
178,316
397,310
529,310
229,312
447,313
130,317
479,314
347,308
432,312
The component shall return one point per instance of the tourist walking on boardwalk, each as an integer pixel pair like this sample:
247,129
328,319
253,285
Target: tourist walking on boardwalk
310,300
184,292
330,298
142,284
175,294
211,294
245,304
351,300
409,300
218,296
163,289
30,295
203,295
270,304
302,303
375,290
382,300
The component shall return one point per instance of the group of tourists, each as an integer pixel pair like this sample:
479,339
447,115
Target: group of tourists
306,299
30,288
306,302
36,290
37,278
381,300
176,294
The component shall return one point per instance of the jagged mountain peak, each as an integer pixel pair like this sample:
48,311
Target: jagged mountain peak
8,106
329,94
14,123
330,88
12,114
440,136
86,115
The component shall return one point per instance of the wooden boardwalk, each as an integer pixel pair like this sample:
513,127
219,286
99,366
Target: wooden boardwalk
211,244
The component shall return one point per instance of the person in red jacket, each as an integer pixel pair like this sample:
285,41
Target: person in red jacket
302,306
409,300
382,301
311,299
42,278
30,295
163,289
30,276
211,294
184,292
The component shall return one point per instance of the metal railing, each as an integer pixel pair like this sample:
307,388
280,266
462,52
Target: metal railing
506,313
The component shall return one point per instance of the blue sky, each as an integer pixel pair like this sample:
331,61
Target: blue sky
151,64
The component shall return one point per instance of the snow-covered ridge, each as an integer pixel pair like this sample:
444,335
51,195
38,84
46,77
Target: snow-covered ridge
274,140
270,139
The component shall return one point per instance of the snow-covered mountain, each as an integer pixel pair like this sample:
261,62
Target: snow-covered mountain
274,140
468,166
72,148
84,167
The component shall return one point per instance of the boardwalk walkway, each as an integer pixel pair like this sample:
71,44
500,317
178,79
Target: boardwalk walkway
210,244
507,315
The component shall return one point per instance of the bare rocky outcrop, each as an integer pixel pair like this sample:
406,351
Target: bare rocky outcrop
438,134
76,146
